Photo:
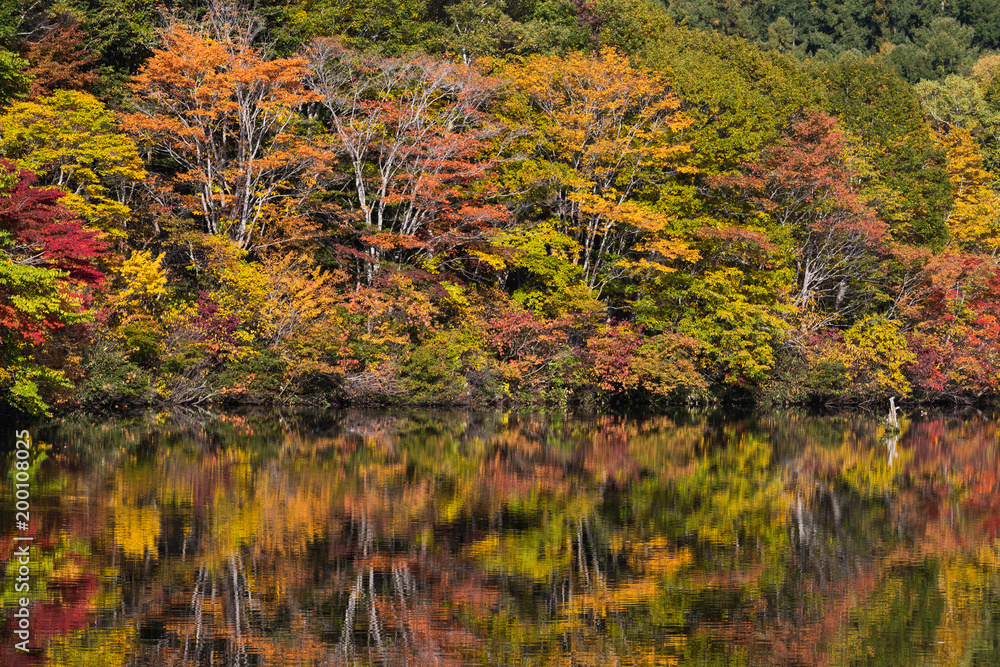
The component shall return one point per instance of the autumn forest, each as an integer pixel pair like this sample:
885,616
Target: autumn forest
484,202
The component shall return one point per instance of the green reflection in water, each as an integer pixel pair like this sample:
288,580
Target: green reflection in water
507,539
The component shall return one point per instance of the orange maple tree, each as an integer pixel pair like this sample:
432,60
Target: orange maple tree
226,120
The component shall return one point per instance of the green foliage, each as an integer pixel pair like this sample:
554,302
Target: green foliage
11,18
738,335
487,29
433,371
449,367
115,380
827,378
33,294
46,266
738,96
257,378
628,24
909,186
391,27
13,81
544,273
956,101
924,39
27,385
121,32
938,50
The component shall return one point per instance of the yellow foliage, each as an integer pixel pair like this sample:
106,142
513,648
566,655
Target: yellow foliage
985,69
70,140
974,221
243,288
962,585
301,309
871,469
136,530
989,555
875,353
145,281
657,557
92,647
605,131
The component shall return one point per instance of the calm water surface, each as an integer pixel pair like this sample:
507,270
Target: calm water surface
504,539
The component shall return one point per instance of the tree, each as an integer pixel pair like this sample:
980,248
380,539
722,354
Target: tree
735,319
412,132
389,27
225,120
304,312
61,61
71,141
974,219
734,18
482,28
942,47
804,186
954,327
47,265
623,360
14,81
908,184
873,354
605,141
628,24
120,32
739,98
955,102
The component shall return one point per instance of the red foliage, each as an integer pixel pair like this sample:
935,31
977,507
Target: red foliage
805,184
415,133
954,308
588,17
512,334
37,231
70,609
46,233
215,328
611,355
807,175
60,60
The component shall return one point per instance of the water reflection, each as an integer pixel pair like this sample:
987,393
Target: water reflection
504,539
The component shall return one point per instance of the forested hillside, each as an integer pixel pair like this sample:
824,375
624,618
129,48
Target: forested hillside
615,202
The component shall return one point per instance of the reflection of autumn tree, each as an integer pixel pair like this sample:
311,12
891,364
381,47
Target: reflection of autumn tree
70,583
373,524
425,538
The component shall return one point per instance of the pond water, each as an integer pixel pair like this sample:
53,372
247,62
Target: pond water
364,538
